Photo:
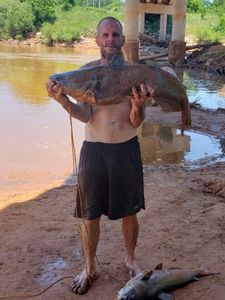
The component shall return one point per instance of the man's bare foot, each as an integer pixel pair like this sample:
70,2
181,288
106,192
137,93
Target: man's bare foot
82,282
133,268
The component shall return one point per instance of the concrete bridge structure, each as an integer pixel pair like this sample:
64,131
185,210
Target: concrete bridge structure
135,11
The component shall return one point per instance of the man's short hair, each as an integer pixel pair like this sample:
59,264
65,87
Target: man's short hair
110,18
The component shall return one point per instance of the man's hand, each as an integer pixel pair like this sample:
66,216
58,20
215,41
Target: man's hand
138,98
55,91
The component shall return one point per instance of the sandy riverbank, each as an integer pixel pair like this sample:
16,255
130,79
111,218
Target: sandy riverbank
183,226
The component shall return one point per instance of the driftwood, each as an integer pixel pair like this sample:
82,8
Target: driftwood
146,57
201,45
147,38
150,39
192,47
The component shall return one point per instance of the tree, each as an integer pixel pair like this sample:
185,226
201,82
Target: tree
16,19
219,7
43,11
66,4
197,6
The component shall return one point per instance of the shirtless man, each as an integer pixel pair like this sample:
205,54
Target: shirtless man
110,171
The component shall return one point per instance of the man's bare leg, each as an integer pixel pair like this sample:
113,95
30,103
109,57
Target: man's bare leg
130,228
90,232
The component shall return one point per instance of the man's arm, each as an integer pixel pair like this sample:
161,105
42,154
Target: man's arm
137,106
80,111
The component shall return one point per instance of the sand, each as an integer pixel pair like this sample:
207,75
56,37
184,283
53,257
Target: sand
183,226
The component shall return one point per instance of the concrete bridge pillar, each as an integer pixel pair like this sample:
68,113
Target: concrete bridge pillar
163,23
131,47
177,45
141,22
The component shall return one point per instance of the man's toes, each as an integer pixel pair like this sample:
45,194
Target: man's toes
74,283
84,287
80,285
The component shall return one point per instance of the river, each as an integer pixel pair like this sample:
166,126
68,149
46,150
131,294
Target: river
35,148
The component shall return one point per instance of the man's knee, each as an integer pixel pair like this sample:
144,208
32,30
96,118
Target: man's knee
132,219
91,224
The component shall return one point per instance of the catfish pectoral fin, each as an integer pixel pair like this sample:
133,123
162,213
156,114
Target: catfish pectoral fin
90,85
165,296
97,94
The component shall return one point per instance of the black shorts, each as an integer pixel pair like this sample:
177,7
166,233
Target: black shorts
110,180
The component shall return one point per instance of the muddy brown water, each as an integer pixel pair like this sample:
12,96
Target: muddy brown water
35,146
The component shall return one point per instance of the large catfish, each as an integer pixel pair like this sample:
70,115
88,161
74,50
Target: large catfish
157,284
107,84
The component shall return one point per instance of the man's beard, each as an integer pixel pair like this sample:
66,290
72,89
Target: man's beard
109,56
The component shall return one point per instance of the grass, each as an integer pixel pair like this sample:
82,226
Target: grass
76,23
204,29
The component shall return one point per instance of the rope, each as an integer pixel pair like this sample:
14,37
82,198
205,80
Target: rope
37,294
75,170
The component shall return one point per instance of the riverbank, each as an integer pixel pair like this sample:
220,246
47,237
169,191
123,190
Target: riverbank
84,43
183,226
210,58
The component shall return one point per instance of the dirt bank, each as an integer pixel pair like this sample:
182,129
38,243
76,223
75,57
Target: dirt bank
84,43
210,59
183,226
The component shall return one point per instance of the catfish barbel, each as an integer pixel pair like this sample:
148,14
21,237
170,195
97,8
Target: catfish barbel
111,84
158,283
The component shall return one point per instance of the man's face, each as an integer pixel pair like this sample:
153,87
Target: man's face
109,38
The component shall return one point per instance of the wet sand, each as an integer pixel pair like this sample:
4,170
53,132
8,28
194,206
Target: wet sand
183,226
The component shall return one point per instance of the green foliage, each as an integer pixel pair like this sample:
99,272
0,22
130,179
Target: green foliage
218,7
115,6
220,27
74,24
204,29
99,3
194,5
152,24
80,2
197,6
43,11
66,4
70,20
16,19
218,3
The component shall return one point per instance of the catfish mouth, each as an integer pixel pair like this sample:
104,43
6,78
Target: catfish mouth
54,79
128,295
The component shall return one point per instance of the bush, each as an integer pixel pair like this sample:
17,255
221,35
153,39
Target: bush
66,4
221,25
16,19
218,7
43,11
204,30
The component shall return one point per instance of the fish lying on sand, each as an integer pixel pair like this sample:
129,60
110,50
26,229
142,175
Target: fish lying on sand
158,283
107,84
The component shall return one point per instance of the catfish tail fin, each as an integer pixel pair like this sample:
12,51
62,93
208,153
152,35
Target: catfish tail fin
186,116
203,272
